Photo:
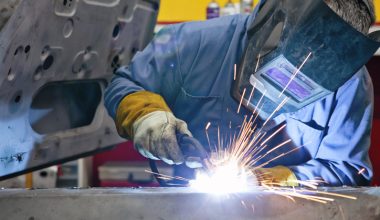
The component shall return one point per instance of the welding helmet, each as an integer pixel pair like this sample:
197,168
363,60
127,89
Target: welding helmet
298,51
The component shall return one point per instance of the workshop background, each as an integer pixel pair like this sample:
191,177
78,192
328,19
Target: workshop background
123,166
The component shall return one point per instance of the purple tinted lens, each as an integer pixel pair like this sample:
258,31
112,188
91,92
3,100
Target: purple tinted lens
283,79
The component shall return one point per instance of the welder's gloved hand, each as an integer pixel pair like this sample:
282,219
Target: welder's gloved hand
145,118
277,176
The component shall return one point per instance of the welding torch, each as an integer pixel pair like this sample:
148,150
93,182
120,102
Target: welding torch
195,156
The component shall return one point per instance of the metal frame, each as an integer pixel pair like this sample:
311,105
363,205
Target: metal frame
53,42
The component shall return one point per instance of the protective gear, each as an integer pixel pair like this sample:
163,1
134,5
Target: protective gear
155,136
332,135
134,107
300,49
146,119
277,176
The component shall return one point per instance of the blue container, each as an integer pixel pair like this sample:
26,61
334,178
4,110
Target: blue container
213,10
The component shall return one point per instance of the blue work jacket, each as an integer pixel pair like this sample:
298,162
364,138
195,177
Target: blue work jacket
191,66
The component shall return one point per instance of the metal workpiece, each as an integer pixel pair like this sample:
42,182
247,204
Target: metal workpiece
7,8
57,58
181,204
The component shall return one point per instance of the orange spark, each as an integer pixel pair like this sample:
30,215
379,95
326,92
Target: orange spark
361,171
241,100
235,70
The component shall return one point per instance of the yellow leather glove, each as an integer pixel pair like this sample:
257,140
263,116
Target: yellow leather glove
279,176
145,118
135,106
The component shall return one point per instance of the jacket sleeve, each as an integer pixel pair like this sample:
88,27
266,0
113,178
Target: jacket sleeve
172,57
342,157
156,67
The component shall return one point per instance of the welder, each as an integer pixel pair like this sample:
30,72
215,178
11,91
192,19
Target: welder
310,51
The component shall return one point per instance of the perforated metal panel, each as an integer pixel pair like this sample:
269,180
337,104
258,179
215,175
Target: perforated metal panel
57,57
